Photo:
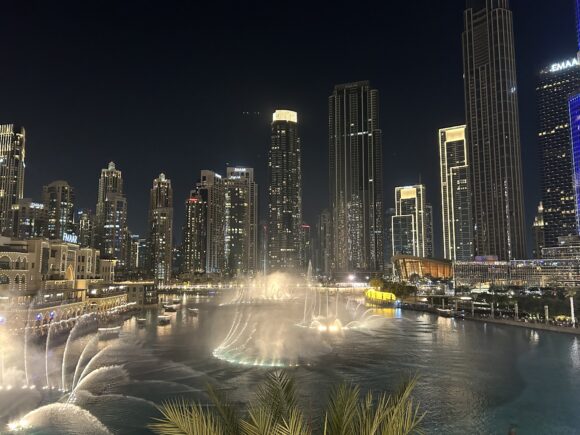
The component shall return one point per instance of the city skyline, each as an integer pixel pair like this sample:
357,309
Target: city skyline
554,42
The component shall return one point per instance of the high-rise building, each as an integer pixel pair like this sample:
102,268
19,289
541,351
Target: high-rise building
429,242
84,224
284,193
241,221
493,134
455,194
111,216
556,83
305,246
204,229
356,178
161,228
323,245
409,229
195,234
12,156
539,231
29,219
388,220
59,202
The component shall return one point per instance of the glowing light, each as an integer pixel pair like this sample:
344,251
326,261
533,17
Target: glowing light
285,115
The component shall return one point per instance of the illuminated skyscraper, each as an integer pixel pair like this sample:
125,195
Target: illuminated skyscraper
111,217
59,203
455,194
241,220
409,224
284,193
203,247
12,156
161,228
85,221
194,242
493,133
539,232
356,178
556,83
29,219
323,244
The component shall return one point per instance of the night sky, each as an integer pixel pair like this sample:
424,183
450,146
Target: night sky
176,87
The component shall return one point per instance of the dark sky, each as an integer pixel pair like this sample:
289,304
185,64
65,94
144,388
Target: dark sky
162,86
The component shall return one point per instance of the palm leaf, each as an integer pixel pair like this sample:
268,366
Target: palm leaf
294,425
181,418
342,410
227,413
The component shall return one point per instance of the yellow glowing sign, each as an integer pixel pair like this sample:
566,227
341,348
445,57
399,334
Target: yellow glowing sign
408,193
455,134
285,115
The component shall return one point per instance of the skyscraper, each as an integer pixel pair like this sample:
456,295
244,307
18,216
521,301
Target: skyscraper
241,221
284,193
12,156
455,194
409,227
194,245
356,178
29,219
429,242
539,231
556,83
323,245
161,228
493,134
85,221
204,230
59,202
111,217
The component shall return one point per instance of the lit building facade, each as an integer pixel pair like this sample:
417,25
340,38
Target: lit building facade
429,242
539,231
59,202
492,118
408,225
284,193
574,108
323,246
161,229
204,230
356,178
556,83
111,216
29,219
241,221
84,224
12,165
455,194
195,234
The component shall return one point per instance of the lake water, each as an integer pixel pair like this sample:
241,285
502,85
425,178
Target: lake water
474,378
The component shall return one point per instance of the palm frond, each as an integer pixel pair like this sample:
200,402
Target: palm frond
260,422
227,413
342,410
181,418
403,415
277,394
294,425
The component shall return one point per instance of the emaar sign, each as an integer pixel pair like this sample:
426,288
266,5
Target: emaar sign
564,65
70,238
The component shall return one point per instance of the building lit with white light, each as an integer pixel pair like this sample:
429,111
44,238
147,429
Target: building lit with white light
160,229
455,194
284,193
409,223
356,178
241,221
556,82
59,202
12,165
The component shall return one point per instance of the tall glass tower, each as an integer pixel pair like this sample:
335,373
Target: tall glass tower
455,194
161,228
284,193
12,155
493,133
556,82
356,178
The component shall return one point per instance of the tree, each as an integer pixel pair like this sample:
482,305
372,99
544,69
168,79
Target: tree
275,411
377,283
